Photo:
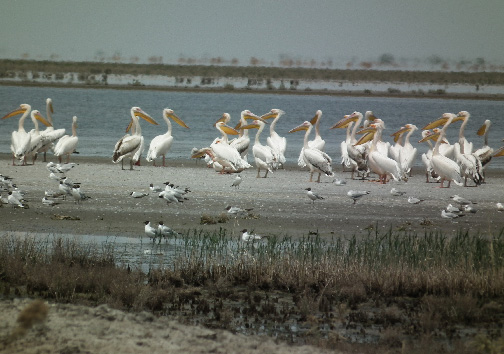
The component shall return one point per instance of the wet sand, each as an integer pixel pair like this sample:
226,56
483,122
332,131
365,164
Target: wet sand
280,204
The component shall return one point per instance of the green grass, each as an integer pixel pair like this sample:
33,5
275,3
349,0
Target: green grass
422,287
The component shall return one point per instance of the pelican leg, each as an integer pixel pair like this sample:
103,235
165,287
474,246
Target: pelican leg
311,176
266,173
318,179
163,160
131,164
258,170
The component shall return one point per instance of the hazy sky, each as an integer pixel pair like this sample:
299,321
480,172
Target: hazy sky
300,29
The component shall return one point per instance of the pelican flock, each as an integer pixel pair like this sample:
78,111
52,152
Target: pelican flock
363,152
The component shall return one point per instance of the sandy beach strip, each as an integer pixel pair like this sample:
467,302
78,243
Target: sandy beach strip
280,204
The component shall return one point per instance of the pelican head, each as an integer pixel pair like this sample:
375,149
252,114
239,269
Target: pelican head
343,122
275,112
226,117
316,118
138,112
36,114
303,126
24,107
168,113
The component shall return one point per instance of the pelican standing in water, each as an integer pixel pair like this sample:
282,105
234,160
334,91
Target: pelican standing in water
445,168
50,134
67,143
317,160
129,145
161,144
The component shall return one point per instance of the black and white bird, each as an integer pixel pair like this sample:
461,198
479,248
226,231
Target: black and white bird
155,189
312,195
236,182
139,194
149,230
397,193
12,200
64,189
78,195
355,195
414,200
165,231
250,237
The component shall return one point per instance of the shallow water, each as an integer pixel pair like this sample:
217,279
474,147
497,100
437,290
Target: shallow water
104,114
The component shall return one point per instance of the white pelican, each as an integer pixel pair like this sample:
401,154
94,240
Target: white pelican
312,195
382,146
20,143
467,146
395,150
36,139
379,163
357,155
317,160
355,195
160,145
50,134
242,143
470,165
67,143
427,157
225,154
484,153
264,155
317,143
408,152
129,145
276,142
446,168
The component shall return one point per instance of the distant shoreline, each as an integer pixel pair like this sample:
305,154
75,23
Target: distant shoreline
342,93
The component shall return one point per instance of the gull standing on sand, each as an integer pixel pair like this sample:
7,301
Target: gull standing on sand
355,195
48,202
453,209
12,200
312,195
77,194
237,181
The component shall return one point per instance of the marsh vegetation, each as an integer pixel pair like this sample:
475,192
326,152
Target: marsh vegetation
381,293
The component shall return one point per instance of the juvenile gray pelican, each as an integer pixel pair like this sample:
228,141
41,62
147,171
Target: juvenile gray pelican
161,144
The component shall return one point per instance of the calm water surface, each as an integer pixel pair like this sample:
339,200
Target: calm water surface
104,114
